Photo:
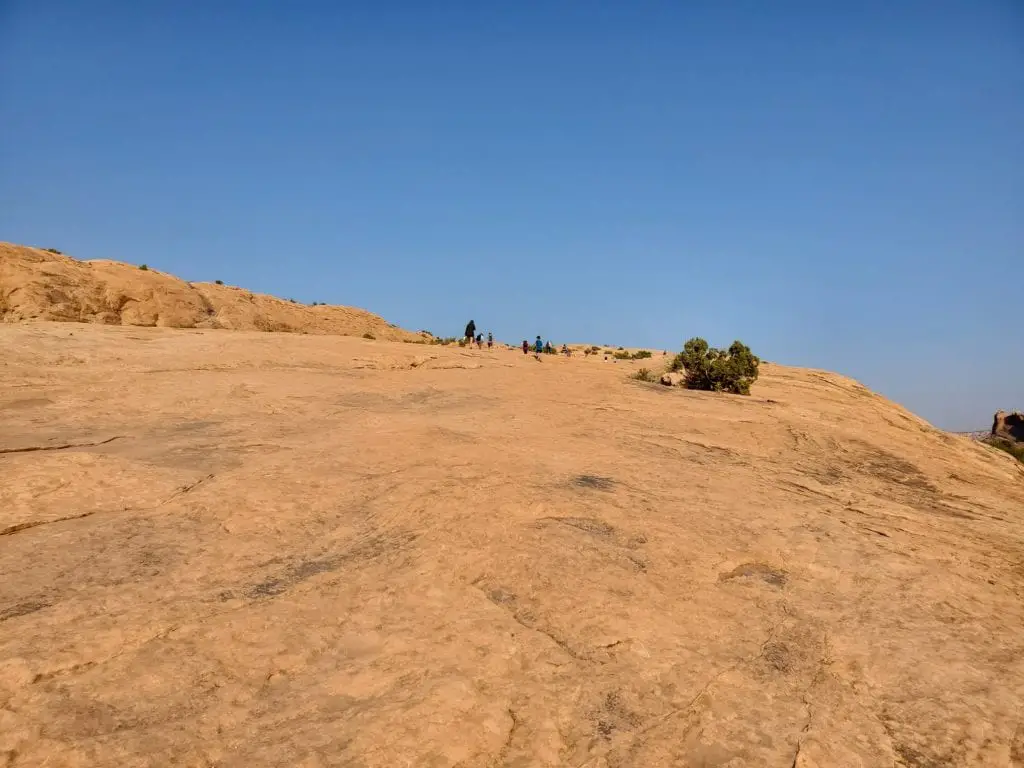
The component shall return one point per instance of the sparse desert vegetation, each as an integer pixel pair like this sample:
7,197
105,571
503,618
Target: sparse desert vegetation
1013,448
644,374
731,370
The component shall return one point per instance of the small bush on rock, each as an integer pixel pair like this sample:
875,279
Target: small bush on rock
144,267
643,354
369,336
644,374
717,370
219,282
1015,449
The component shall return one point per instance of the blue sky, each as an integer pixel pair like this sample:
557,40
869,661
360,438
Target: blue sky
838,184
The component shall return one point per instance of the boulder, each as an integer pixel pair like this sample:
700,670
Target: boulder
1009,426
672,379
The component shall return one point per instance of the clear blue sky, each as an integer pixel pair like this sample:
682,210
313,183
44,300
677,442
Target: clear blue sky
838,184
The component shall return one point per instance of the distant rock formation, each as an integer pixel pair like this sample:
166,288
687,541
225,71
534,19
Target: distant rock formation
1009,426
37,284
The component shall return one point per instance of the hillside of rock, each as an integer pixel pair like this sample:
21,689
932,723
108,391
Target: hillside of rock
37,284
258,549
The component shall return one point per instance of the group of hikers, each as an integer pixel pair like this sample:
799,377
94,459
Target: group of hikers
472,337
540,347
545,348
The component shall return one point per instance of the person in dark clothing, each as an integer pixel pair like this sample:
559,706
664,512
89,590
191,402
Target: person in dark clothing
538,347
490,340
479,341
470,332
526,347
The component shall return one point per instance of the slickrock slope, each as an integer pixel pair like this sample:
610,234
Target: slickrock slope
244,549
39,285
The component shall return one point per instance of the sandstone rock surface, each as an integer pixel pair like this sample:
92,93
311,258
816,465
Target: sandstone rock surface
259,549
672,378
39,285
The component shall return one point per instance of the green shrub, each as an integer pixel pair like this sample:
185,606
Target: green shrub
53,250
144,267
644,374
717,370
1013,448
369,336
643,354
219,282
623,355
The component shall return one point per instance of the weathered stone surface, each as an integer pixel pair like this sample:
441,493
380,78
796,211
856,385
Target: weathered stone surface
248,549
39,285
672,379
1009,426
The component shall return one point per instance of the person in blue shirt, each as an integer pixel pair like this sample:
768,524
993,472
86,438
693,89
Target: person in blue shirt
538,347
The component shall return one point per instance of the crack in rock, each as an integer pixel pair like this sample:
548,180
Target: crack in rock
32,448
187,488
507,746
704,689
560,642
525,618
18,527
